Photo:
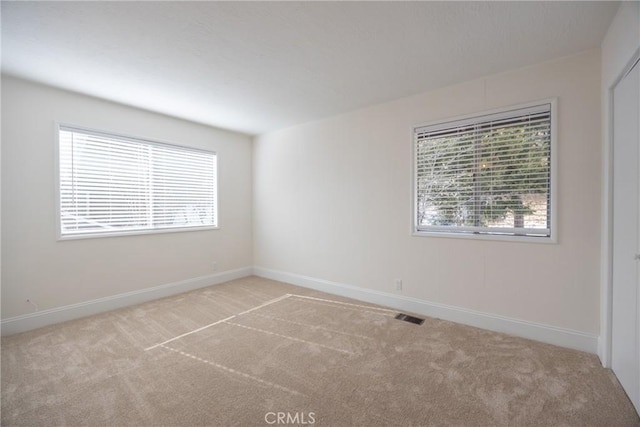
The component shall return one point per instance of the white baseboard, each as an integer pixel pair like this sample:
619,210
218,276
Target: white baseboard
535,331
27,322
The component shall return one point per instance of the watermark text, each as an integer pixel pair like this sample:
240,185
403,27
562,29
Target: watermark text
284,418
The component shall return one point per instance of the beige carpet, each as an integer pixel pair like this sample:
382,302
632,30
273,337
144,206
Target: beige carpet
323,361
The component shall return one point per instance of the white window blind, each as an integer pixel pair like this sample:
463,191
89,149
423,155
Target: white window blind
489,174
112,184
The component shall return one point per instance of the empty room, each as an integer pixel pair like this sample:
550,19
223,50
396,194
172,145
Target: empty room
320,213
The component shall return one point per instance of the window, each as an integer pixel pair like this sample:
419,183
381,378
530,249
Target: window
486,175
111,184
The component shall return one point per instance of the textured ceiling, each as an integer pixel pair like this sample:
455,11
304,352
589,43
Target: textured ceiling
255,67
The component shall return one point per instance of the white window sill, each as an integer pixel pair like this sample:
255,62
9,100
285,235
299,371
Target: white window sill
94,235
494,237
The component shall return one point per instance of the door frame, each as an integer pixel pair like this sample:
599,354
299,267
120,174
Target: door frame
606,321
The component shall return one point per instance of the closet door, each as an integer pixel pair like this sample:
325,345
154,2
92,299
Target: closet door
625,338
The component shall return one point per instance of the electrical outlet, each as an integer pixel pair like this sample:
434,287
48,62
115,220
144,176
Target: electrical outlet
214,265
398,284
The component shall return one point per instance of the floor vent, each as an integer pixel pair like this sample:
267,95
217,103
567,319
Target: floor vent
410,319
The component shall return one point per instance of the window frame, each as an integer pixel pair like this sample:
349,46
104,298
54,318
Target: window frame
553,176
58,126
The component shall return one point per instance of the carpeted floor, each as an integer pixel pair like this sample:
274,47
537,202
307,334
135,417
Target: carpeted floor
277,354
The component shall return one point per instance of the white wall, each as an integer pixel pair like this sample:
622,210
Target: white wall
618,47
332,201
57,273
